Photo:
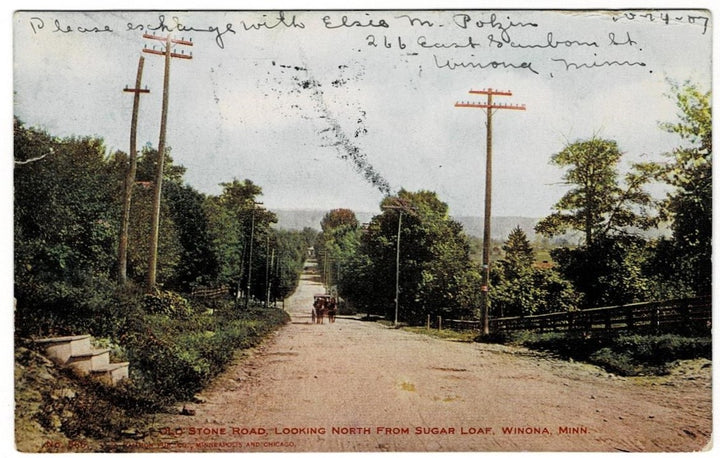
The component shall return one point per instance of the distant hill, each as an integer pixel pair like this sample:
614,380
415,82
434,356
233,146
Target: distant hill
300,219
473,225
501,225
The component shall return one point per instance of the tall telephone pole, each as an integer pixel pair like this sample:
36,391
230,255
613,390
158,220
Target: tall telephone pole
489,106
250,266
130,175
268,266
155,227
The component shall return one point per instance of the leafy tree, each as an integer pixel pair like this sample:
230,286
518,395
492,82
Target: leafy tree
340,217
62,216
146,164
227,240
596,204
236,206
609,272
337,242
197,264
65,226
291,250
434,259
607,268
170,247
689,204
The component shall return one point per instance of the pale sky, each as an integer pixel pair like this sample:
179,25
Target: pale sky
290,107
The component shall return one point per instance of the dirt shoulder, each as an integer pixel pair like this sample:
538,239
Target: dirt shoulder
359,386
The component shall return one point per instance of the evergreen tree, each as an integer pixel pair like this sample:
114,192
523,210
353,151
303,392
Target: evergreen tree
519,254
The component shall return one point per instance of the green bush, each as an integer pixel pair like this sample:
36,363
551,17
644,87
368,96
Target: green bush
620,363
663,348
168,303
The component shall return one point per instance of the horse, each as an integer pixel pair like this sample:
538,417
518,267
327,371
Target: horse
332,310
318,310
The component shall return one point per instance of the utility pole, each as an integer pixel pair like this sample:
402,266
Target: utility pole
130,175
267,275
155,227
252,233
267,270
489,106
397,271
402,207
325,280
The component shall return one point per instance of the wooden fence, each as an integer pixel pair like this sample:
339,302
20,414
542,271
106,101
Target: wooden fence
210,293
680,315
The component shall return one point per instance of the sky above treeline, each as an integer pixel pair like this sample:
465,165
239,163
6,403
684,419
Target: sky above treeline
329,109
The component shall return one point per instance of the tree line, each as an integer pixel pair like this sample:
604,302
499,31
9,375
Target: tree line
67,212
616,261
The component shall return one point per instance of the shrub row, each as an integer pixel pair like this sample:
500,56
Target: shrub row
173,358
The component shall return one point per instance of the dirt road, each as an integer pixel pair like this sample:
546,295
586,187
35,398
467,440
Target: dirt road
358,386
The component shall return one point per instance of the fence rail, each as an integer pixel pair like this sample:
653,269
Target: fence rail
210,293
686,315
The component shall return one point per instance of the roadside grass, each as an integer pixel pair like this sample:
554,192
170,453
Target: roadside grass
446,334
623,354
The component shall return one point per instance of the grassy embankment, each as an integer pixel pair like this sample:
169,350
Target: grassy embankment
175,348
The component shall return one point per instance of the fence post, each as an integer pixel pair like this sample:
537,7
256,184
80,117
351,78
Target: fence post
685,312
439,323
428,322
630,319
655,319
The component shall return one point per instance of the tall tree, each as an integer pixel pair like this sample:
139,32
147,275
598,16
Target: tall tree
435,264
596,204
238,201
198,264
689,204
337,242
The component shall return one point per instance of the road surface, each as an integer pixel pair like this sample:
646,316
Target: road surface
359,386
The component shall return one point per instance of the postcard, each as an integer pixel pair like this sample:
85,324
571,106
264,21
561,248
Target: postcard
363,230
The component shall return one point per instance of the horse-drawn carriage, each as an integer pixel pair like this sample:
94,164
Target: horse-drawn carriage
324,305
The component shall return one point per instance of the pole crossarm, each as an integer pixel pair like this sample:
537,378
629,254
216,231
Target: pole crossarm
167,41
401,204
159,38
489,91
503,106
137,90
172,54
